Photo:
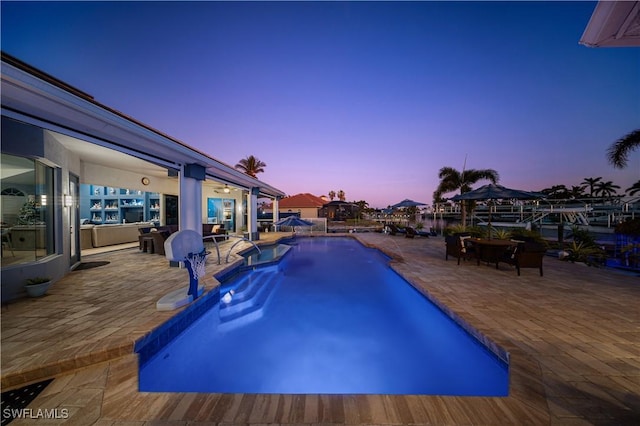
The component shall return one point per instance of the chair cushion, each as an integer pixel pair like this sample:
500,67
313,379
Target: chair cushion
463,247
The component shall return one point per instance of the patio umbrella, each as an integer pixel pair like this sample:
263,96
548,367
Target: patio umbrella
408,203
293,221
492,192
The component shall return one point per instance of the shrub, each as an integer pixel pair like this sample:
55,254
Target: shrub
582,236
474,231
527,235
590,255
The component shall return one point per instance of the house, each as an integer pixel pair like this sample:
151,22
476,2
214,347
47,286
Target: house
339,210
67,157
305,205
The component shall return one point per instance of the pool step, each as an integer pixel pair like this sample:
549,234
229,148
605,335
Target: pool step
249,299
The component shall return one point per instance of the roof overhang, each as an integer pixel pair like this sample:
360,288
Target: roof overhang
31,93
613,24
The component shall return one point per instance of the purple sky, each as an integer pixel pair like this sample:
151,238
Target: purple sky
369,97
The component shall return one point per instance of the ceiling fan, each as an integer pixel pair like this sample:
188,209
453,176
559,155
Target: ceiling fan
224,190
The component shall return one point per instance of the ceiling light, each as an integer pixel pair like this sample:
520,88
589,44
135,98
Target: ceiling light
226,189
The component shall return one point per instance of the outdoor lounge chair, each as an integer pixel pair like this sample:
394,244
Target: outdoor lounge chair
526,255
456,247
411,232
393,229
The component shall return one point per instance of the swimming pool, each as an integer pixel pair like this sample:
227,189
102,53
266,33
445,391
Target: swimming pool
330,318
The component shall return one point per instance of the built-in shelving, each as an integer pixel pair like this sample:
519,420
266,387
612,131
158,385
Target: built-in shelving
104,204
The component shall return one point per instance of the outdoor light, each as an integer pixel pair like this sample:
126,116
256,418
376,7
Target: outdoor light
226,189
43,200
68,200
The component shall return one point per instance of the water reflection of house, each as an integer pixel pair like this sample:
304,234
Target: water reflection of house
339,210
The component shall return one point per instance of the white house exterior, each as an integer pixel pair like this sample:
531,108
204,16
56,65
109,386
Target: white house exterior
55,138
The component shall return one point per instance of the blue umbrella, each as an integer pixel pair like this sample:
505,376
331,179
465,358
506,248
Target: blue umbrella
293,221
408,203
497,192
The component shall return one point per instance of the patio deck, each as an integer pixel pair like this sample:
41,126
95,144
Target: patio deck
573,337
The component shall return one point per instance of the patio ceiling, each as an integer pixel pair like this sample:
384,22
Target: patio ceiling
613,24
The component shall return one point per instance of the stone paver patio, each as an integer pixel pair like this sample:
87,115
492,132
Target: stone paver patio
573,336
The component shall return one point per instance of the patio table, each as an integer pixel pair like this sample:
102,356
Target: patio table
490,251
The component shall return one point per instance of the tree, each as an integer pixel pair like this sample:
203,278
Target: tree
332,194
618,152
341,195
251,166
453,180
28,214
633,189
606,189
576,192
556,192
591,183
363,207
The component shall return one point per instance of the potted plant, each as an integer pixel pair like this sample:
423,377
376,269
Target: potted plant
37,286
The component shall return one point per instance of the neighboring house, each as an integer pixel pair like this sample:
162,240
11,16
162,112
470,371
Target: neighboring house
339,210
61,150
305,205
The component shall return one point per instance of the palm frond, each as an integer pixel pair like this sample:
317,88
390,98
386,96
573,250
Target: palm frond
618,152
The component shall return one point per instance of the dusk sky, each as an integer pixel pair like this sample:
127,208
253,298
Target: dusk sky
371,98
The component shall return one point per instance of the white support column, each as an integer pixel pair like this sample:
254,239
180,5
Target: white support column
252,214
276,212
190,197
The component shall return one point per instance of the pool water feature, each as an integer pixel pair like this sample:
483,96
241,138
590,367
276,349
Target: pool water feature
330,318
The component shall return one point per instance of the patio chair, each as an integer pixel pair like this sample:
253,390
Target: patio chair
456,247
6,242
153,241
526,255
411,232
217,230
394,230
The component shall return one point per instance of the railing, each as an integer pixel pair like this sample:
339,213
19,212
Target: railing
241,239
592,211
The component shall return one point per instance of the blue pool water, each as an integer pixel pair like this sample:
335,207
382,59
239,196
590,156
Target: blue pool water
330,318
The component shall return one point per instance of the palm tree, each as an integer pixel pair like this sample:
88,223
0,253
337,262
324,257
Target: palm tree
556,192
606,189
251,166
332,194
619,150
591,183
341,195
363,207
633,189
576,192
453,180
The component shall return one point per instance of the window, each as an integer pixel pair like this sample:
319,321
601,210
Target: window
222,211
26,210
